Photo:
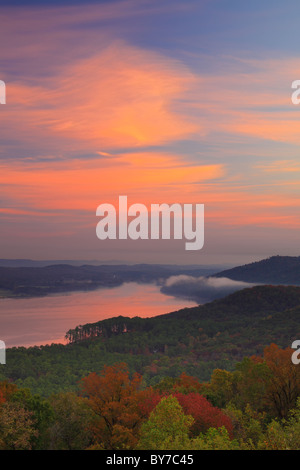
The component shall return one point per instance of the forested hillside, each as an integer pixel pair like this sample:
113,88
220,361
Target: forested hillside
274,270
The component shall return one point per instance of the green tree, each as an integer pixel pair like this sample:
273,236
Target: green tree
71,427
252,376
221,388
42,415
248,425
284,435
214,439
167,427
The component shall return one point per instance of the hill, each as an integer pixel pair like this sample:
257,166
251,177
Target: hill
275,270
193,340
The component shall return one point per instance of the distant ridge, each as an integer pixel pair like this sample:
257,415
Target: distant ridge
274,270
30,263
58,278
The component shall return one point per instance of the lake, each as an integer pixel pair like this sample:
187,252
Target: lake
45,320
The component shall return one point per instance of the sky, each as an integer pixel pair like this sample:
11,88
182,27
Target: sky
165,102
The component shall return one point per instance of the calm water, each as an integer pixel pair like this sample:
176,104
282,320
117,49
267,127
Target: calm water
37,321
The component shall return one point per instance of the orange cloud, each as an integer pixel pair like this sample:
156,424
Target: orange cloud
121,97
73,190
82,185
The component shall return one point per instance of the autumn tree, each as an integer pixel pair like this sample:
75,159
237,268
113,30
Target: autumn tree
114,397
205,415
283,385
17,427
187,384
6,391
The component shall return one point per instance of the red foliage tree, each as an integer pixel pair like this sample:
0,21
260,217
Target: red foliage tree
187,384
204,413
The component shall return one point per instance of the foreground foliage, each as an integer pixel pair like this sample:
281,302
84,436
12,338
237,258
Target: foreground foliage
255,406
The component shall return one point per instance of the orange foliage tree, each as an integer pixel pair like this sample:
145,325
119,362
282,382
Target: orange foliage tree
187,384
6,390
283,385
115,398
